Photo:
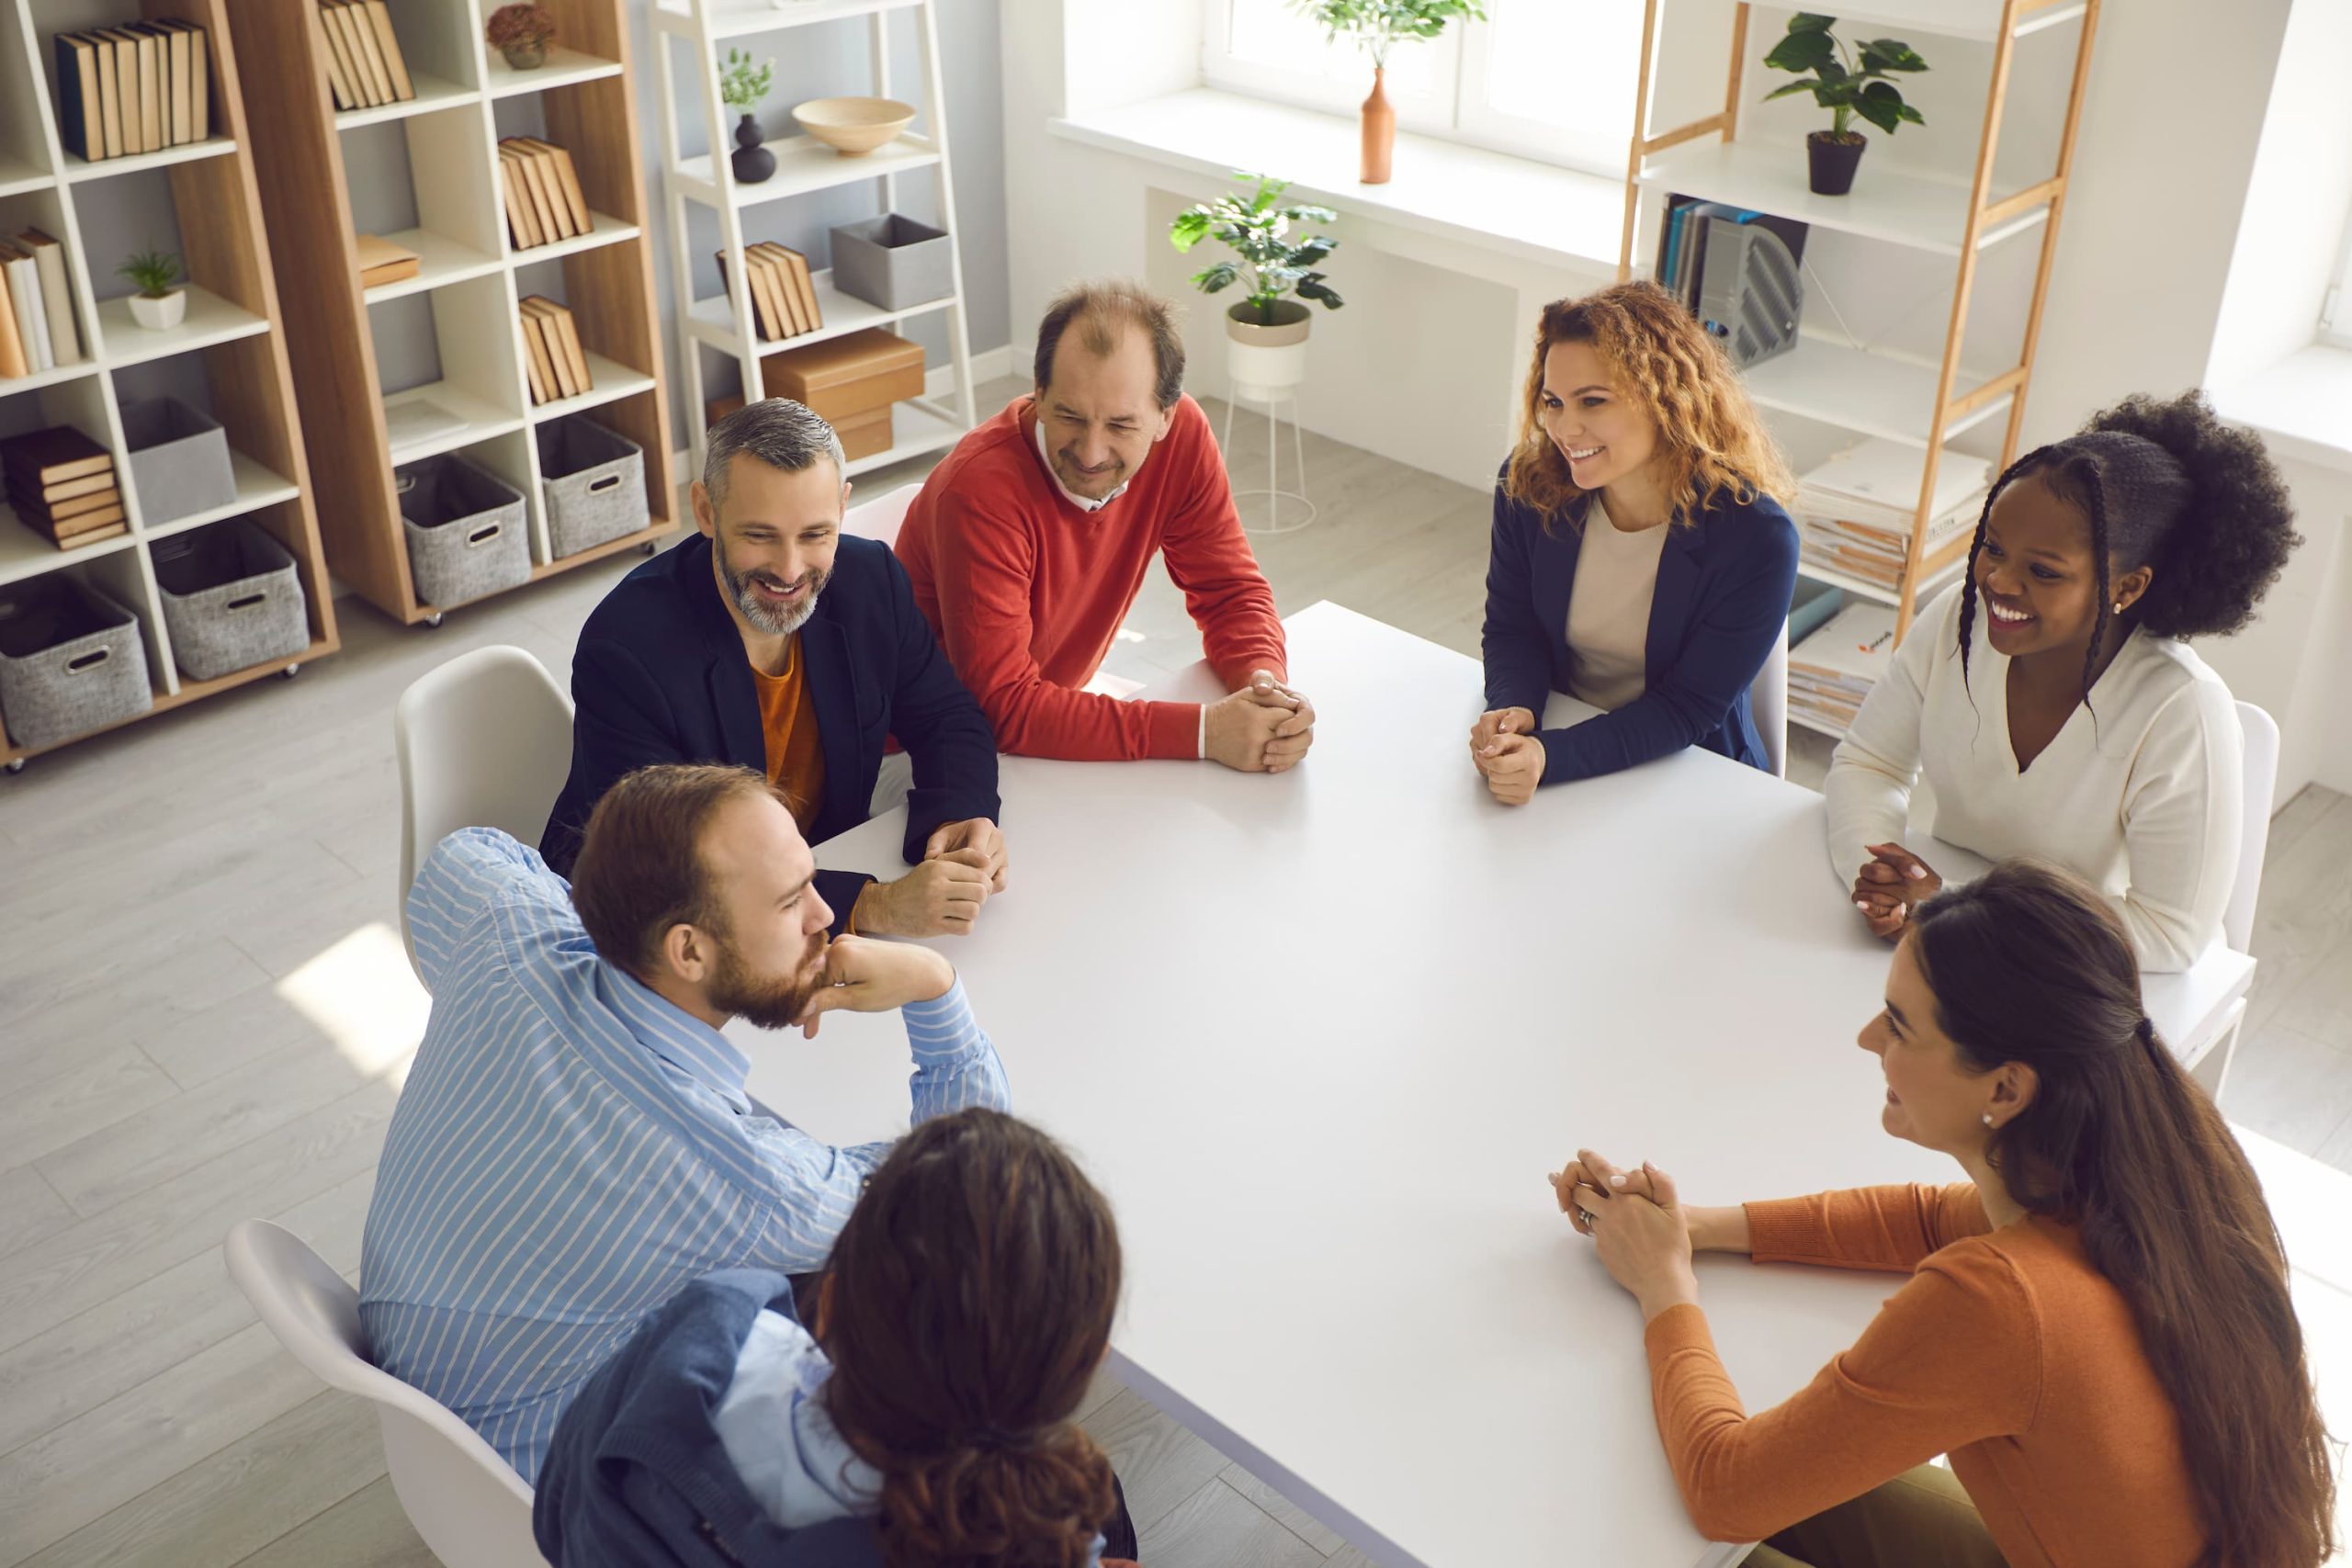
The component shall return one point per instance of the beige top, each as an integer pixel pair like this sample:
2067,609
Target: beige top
1609,611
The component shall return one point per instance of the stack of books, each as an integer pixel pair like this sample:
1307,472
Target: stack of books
1854,512
784,291
63,485
556,364
382,261
363,64
138,87
544,200
1831,672
38,331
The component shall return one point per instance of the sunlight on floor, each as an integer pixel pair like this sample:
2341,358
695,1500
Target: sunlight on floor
365,998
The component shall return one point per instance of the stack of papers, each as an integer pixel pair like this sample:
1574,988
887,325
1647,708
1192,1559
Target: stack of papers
1854,512
1831,672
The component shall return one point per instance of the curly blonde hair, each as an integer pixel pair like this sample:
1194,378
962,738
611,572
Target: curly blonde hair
1709,436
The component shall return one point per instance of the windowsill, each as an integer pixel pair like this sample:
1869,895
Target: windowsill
2302,405
1538,211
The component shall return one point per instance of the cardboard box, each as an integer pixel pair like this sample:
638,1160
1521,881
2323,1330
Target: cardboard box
863,434
847,376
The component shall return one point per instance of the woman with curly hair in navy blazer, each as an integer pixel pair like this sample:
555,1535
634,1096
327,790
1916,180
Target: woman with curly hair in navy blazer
1641,561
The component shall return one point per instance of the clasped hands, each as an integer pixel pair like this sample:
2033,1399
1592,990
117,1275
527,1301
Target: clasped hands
1264,727
1504,746
1638,1224
1890,883
962,864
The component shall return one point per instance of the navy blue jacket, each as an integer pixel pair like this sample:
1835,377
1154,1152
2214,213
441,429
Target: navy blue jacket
660,676
636,1476
1723,583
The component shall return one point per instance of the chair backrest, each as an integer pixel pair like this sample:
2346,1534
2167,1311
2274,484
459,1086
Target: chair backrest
2261,788
485,742
882,517
1767,700
468,1504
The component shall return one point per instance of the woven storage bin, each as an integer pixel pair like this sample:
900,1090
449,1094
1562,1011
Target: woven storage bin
179,459
70,661
465,536
594,482
230,600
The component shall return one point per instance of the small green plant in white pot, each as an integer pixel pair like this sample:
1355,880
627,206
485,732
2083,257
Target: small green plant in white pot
159,304
1267,329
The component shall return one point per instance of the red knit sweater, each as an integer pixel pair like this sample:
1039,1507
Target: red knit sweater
1026,591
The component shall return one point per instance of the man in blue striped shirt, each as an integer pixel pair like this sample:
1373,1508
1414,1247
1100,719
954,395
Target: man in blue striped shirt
575,1143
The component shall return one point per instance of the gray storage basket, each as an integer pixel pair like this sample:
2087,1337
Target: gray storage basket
230,600
594,482
465,536
70,661
179,461
893,261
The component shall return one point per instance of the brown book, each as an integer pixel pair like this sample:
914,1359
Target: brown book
364,81
370,53
179,98
13,362
54,455
576,199
199,79
83,505
339,79
547,192
382,261
549,315
109,106
126,88
765,318
567,329
518,158
57,528
45,494
94,536
801,283
154,69
536,367
84,57
388,43
769,273
521,222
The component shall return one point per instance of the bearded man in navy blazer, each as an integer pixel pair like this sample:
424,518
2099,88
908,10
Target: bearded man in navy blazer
774,642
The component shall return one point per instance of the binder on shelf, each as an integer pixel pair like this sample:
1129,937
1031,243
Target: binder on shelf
80,124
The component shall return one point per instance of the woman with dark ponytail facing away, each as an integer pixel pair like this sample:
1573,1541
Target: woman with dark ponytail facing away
2051,701
922,1420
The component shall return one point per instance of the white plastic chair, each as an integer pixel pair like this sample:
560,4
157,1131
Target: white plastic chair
1767,700
2214,1047
468,1504
882,517
485,742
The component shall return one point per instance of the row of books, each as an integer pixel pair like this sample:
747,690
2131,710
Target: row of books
544,199
63,486
1831,672
1682,239
138,87
363,63
1855,512
38,331
784,291
553,358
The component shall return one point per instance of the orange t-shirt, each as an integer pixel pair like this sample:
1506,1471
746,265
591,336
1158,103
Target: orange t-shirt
796,751
2005,1348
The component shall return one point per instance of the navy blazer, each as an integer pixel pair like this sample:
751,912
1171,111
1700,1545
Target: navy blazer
661,676
1724,584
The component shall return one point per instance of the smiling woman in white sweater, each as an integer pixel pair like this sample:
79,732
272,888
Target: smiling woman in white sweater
2079,727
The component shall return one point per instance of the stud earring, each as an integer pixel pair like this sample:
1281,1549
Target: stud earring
2119,606
1989,1119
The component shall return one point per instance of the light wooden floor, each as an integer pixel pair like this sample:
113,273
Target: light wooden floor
205,1015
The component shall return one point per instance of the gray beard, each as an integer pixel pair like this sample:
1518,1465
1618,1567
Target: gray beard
762,616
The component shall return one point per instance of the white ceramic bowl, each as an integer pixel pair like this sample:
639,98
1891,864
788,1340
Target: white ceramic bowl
854,126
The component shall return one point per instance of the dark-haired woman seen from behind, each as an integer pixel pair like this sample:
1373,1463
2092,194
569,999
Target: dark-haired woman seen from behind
1641,561
925,1423
2050,698
2097,1326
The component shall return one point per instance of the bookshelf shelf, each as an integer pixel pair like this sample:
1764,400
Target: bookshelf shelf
712,320
1863,391
1902,206
234,329
805,165
743,19
476,401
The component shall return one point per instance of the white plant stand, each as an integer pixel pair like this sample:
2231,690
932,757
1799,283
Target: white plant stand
1288,510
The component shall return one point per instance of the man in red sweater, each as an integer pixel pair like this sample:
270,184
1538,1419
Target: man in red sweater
1029,544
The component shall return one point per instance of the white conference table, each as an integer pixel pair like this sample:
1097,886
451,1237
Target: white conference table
1320,1036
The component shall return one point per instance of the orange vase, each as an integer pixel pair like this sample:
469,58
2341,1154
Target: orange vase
1379,130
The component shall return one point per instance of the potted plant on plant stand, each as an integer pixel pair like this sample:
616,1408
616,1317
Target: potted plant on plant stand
1267,331
741,86
1377,25
158,305
1847,83
521,34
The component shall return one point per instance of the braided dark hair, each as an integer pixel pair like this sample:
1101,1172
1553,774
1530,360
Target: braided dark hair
2164,484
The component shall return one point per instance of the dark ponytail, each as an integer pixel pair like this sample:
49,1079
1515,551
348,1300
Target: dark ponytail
2166,485
968,1302
2029,966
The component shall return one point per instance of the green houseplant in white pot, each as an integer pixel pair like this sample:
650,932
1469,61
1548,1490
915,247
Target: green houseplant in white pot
160,303
1849,82
1267,331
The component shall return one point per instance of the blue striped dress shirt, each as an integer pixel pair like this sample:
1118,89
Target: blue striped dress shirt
571,1149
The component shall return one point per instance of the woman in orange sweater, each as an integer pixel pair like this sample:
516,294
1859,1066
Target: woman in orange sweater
2096,1328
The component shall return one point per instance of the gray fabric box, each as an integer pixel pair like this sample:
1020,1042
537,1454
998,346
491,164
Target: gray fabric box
70,661
593,479
466,535
231,600
179,459
892,262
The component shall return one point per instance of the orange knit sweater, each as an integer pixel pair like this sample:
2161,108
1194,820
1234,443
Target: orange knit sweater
2004,1349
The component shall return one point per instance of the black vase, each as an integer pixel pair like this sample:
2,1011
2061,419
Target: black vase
1832,160
752,162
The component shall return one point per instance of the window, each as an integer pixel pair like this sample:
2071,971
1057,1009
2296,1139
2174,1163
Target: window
1549,79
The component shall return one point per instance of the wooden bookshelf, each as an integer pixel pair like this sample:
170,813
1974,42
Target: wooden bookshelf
234,329
467,99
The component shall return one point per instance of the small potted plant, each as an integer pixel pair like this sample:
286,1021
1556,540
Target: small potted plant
1377,25
521,34
741,85
1847,83
160,303
1267,331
